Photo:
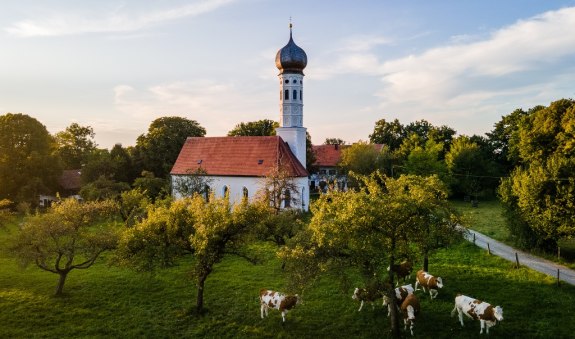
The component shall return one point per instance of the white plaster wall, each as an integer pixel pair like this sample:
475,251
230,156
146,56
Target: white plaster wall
253,184
295,138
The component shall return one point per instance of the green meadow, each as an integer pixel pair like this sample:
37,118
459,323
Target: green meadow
110,302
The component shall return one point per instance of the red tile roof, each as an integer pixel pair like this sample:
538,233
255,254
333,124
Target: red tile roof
237,156
70,179
330,155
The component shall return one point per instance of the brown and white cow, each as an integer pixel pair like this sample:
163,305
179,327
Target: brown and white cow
366,295
427,281
410,309
479,310
401,270
277,300
400,294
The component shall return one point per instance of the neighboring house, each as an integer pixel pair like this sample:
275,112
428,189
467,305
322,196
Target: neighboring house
327,172
69,186
238,165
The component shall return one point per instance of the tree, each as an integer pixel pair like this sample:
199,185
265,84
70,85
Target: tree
6,216
361,158
157,150
367,229
75,144
309,154
28,166
388,133
196,182
538,196
133,206
122,164
424,161
103,189
334,141
71,235
154,188
208,229
468,169
263,127
279,190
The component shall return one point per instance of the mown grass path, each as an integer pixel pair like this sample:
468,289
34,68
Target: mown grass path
507,252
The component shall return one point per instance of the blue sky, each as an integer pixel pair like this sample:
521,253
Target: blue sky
118,65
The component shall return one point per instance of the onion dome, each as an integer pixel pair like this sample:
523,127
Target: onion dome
291,58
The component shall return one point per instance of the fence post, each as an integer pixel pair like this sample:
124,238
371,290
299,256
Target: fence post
516,260
473,238
488,249
558,281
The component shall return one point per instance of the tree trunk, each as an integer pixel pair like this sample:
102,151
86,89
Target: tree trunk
394,316
425,262
200,295
61,282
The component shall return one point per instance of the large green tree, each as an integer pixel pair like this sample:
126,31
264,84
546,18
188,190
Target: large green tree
263,127
539,196
28,165
157,150
70,235
388,133
369,229
75,144
207,229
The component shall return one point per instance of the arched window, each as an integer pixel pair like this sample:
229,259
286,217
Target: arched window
301,94
225,191
287,199
206,193
287,81
294,94
286,94
302,199
245,192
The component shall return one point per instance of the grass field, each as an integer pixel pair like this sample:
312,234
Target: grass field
111,302
488,219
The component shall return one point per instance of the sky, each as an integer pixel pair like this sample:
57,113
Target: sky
118,65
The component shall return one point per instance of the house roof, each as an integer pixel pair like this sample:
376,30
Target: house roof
237,156
70,179
330,155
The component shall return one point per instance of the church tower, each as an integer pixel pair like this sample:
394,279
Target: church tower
291,60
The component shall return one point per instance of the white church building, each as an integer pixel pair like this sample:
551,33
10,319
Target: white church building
237,165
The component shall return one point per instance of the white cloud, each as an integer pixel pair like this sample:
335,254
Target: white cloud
59,24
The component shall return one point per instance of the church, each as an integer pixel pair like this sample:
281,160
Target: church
238,166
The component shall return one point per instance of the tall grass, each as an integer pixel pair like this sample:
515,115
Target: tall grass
110,302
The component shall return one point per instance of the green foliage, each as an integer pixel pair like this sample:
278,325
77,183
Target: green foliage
334,141
103,189
195,182
263,127
157,150
425,160
369,228
155,188
6,216
68,236
159,239
75,144
539,196
28,166
361,158
309,154
133,206
388,133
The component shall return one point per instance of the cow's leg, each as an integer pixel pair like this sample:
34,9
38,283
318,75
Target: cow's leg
284,312
416,284
460,313
360,306
262,310
481,325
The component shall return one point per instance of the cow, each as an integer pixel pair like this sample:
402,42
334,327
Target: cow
400,294
428,281
277,300
366,295
401,270
479,310
410,310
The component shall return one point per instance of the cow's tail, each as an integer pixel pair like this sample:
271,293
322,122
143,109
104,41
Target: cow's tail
454,311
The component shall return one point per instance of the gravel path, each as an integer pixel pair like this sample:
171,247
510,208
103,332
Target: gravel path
525,259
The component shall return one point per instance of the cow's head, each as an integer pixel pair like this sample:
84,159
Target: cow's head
386,300
498,313
355,295
439,282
